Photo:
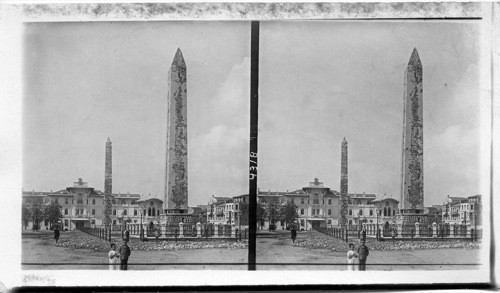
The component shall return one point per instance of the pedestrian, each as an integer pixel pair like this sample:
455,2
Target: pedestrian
126,235
294,234
363,252
363,234
124,255
56,234
157,234
114,258
351,256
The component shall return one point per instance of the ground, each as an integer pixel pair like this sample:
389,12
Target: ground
312,251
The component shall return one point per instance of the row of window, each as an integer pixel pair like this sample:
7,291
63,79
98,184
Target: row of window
150,212
315,201
78,201
387,212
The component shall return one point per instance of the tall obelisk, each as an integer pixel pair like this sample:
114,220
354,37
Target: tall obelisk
344,197
412,169
176,166
108,184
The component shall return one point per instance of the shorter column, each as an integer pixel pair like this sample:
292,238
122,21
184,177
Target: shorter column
452,230
233,230
434,230
400,231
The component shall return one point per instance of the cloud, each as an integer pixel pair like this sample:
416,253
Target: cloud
219,156
451,162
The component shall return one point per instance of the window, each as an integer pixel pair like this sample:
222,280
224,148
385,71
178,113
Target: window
388,211
157,212
135,212
57,200
114,212
360,212
313,210
66,201
350,213
124,212
114,222
87,201
329,201
93,212
329,212
65,211
301,201
371,212
122,202
393,212
66,223
76,211
72,201
329,222
385,211
79,199
301,211
93,201
308,201
93,222
316,200
323,201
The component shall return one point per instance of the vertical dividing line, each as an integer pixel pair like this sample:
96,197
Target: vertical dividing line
254,127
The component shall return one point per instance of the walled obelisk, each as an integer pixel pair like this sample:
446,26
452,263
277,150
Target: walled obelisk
344,200
108,184
176,166
412,169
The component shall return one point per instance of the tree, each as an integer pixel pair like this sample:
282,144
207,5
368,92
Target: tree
26,216
36,212
52,212
273,208
261,213
289,212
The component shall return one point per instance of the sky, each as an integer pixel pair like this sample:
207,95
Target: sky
322,81
85,82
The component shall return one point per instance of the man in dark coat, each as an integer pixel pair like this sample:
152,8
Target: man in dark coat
294,234
124,254
363,252
56,234
126,235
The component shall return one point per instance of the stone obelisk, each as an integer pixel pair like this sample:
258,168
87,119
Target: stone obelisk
412,169
108,184
344,200
176,166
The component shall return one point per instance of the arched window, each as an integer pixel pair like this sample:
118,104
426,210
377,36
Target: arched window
371,212
393,212
301,211
135,212
157,212
360,212
124,212
114,212
93,201
149,211
350,212
65,211
93,212
153,211
329,201
302,201
389,211
385,212
329,212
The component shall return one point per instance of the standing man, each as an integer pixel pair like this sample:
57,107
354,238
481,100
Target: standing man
363,252
56,234
126,235
294,234
363,234
124,254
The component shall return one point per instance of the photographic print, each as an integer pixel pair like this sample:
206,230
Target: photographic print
135,137
371,146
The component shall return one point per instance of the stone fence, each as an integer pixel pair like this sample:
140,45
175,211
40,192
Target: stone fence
180,231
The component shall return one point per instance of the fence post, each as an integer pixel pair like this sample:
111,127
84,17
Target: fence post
452,230
181,229
346,235
198,230
400,230
417,229
434,230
